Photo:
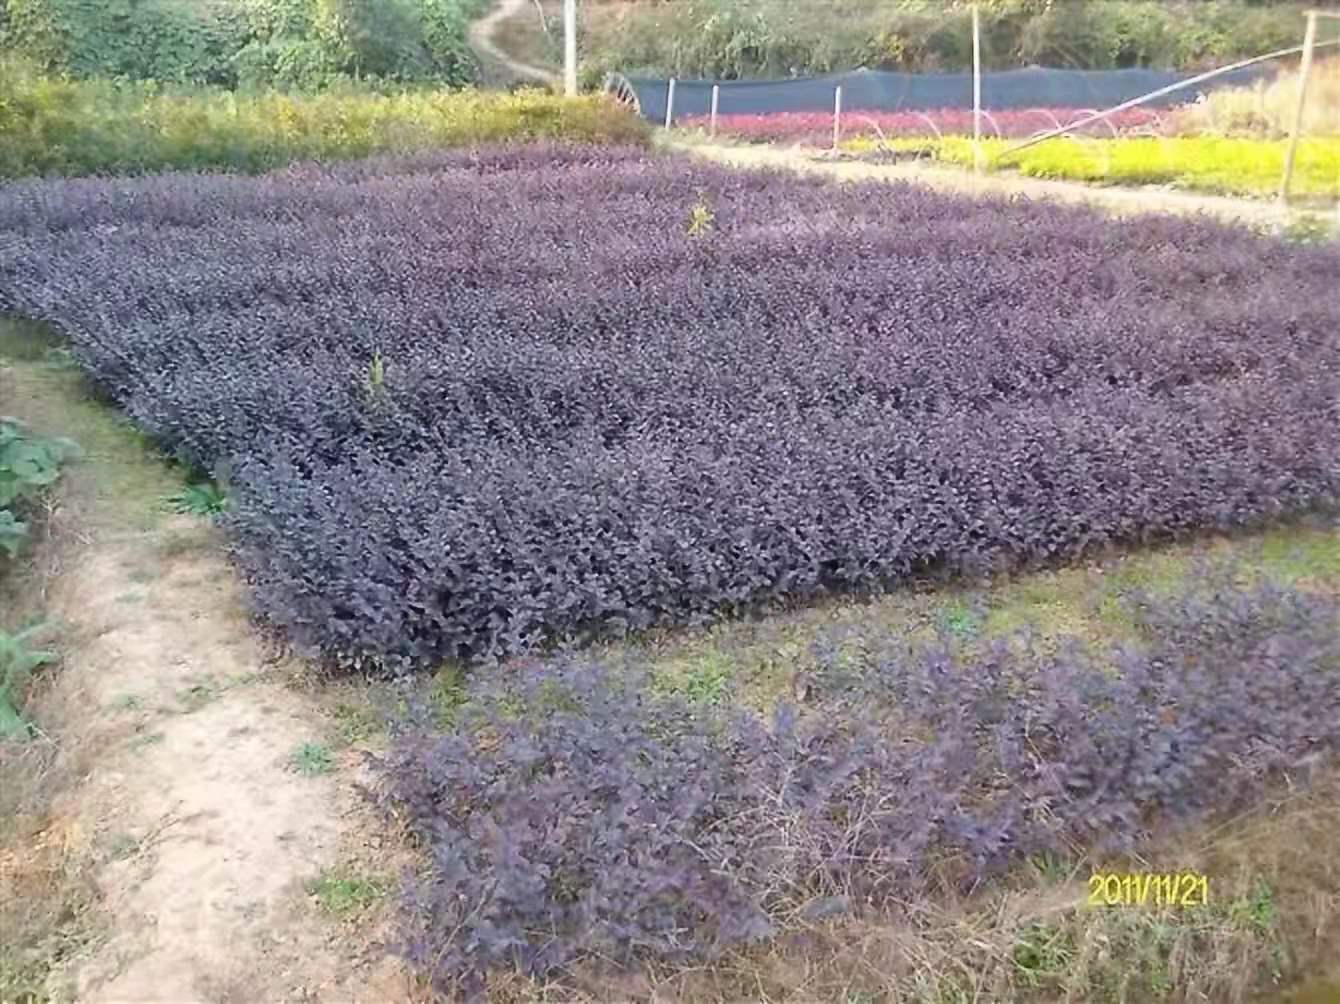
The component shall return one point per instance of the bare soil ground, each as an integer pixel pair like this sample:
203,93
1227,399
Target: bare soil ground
499,66
189,792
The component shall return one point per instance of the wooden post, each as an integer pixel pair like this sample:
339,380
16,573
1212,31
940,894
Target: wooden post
976,90
837,116
1304,70
570,48
716,103
670,103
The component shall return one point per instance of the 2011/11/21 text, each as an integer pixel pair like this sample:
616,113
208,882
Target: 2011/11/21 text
1148,889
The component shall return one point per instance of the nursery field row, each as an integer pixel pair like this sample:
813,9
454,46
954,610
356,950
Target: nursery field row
466,404
574,812
816,128
85,127
1232,166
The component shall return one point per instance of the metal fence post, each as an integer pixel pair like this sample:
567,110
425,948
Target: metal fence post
837,116
716,101
670,103
1304,70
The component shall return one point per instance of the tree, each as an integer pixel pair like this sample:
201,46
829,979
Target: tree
377,37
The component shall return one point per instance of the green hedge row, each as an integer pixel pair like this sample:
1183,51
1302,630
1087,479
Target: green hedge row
728,39
297,44
62,127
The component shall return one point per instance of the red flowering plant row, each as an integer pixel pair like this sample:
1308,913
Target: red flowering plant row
473,403
817,127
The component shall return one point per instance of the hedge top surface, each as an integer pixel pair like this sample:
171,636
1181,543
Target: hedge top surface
468,403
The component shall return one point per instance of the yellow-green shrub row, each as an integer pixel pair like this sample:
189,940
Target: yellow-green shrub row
59,127
1234,166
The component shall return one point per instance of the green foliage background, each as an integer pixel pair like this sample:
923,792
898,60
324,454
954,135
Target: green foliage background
246,44
55,126
730,39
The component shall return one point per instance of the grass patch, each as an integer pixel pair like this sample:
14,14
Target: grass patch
204,499
1297,555
708,678
25,341
353,724
312,759
447,694
344,894
123,477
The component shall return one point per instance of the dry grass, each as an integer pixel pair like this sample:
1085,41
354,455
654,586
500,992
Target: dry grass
1274,885
1267,109
48,902
47,898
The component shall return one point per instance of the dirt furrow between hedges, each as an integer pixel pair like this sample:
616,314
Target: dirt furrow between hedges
211,832
212,798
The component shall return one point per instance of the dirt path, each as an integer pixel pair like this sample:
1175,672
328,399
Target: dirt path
481,35
1119,201
201,831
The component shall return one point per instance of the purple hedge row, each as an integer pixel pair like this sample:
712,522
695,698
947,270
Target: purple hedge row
470,402
571,813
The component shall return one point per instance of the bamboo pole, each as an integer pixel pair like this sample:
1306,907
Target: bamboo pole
716,103
1304,71
670,103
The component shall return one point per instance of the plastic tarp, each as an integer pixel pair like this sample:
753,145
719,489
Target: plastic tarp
873,90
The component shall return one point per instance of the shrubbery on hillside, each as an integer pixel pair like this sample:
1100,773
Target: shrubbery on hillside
304,44
728,39
61,127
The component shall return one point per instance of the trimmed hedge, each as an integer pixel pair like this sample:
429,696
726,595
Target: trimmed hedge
571,812
470,403
57,127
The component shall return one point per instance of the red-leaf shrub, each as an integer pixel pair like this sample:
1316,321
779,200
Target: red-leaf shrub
469,402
